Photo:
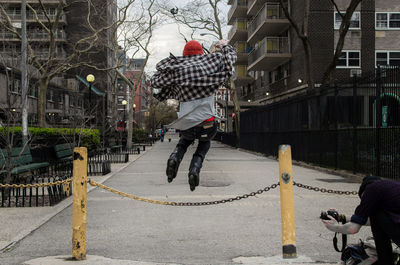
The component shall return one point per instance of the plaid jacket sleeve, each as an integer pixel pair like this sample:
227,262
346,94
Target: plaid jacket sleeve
187,78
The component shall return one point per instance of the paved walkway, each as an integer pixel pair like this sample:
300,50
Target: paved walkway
124,231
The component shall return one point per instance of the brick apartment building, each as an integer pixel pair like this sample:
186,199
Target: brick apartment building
270,65
132,71
67,95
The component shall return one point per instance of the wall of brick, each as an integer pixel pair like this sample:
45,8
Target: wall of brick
367,36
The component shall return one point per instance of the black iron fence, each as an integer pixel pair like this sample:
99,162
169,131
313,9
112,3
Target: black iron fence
35,196
353,126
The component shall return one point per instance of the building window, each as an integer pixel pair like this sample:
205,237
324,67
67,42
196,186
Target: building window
50,95
387,20
14,86
349,59
388,58
33,91
355,21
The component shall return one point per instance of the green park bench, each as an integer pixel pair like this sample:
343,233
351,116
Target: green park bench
114,147
64,152
21,161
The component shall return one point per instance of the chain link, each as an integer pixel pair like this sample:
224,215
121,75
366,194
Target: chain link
307,187
96,184
37,185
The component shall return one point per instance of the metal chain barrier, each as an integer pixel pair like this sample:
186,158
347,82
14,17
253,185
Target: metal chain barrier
37,185
245,196
323,190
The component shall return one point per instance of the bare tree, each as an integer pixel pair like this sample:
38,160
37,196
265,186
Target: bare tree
301,30
344,28
159,113
10,117
201,16
135,38
50,64
205,17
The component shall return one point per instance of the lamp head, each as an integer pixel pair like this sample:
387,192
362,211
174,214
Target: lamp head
90,78
124,102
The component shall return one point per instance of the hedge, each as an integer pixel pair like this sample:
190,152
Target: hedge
90,138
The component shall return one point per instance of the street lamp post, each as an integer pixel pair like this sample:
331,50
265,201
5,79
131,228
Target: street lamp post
134,111
124,102
90,79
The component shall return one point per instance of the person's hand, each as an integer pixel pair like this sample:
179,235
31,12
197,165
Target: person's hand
331,224
222,43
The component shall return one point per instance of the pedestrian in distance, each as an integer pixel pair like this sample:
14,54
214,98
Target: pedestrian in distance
192,79
379,208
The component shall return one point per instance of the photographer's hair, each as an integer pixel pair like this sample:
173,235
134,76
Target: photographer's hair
366,181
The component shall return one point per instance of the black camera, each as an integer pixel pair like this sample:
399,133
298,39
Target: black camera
332,212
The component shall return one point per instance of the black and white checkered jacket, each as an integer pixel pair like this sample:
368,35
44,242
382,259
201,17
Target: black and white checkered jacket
187,78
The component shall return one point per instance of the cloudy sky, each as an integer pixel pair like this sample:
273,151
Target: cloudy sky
166,39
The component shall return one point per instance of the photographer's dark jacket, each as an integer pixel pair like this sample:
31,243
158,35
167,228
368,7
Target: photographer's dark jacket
382,195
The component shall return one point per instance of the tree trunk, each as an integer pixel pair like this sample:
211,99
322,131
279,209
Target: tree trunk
43,84
308,62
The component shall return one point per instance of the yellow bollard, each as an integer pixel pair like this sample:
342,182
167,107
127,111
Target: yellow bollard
79,204
287,203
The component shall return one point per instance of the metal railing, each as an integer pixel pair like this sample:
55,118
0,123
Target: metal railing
45,35
31,16
270,45
353,125
269,11
236,3
33,35
8,35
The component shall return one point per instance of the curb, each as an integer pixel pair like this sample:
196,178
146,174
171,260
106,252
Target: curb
4,247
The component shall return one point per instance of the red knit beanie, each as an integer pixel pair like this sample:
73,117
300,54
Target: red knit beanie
192,48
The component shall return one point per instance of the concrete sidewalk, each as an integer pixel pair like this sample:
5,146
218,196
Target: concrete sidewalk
123,231
17,223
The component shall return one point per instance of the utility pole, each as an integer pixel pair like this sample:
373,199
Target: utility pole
24,75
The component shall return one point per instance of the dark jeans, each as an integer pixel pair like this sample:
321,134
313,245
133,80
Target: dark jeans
204,133
384,230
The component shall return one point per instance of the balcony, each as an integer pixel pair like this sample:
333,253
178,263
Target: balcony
238,31
45,2
8,36
238,9
242,50
270,21
30,17
241,77
43,55
33,36
272,52
44,36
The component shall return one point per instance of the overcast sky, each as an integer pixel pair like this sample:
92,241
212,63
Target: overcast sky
166,39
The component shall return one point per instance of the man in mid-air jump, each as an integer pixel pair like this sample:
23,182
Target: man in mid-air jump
192,79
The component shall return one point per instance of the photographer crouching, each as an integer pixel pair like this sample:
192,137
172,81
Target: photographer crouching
379,208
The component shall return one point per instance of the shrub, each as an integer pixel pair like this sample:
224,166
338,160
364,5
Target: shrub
89,138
